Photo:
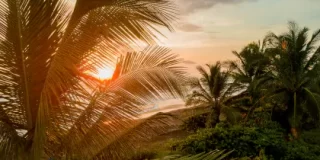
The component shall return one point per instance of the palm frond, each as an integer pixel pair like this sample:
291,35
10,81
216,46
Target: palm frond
12,144
45,49
313,107
236,67
213,155
314,39
113,25
95,119
313,60
295,69
116,25
237,98
24,25
199,94
203,72
162,11
137,134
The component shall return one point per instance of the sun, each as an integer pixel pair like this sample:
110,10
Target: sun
105,73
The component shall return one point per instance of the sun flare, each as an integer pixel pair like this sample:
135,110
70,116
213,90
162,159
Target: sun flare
105,73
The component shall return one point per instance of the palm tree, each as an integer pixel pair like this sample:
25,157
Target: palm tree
248,73
212,90
295,70
51,106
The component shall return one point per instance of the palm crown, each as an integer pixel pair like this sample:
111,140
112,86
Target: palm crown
248,74
294,72
52,105
212,90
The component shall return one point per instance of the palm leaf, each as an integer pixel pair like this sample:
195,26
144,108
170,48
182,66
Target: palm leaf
44,51
294,70
24,25
313,107
130,140
199,94
141,78
213,155
15,149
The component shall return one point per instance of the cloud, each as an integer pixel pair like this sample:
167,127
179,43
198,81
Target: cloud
189,62
189,27
189,6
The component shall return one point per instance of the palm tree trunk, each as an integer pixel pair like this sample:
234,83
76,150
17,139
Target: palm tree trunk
217,111
250,111
213,117
294,132
293,129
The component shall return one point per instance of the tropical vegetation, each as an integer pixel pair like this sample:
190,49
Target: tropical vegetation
52,106
213,90
277,84
263,105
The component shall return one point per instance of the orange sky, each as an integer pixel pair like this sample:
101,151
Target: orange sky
208,30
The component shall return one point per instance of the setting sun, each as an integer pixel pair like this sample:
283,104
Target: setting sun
105,73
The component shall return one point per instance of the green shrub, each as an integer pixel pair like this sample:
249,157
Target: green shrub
300,150
196,143
196,122
244,141
249,138
262,120
311,137
248,142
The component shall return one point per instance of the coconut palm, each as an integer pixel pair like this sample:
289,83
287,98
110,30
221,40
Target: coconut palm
50,105
248,73
212,90
295,69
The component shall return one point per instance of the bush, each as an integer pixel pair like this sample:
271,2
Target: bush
311,137
196,122
300,150
262,120
196,143
244,141
249,139
248,142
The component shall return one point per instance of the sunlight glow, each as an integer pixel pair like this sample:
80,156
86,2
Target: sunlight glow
105,73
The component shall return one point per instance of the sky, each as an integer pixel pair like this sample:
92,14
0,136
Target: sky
208,30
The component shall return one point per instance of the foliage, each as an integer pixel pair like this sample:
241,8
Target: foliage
248,74
248,141
202,141
300,150
283,72
195,122
213,155
245,141
213,90
143,155
294,73
280,76
264,140
262,120
311,137
54,108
